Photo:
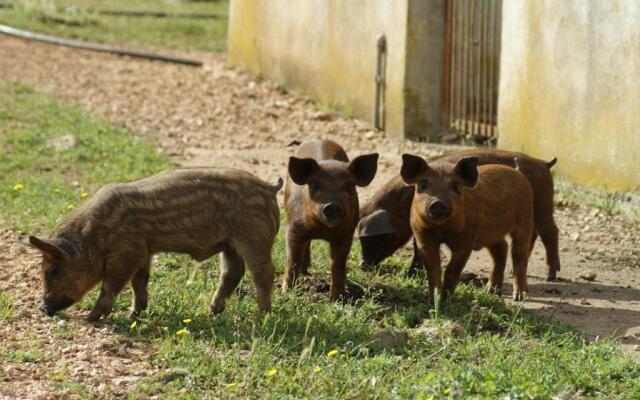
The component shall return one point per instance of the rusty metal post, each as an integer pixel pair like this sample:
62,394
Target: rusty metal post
381,66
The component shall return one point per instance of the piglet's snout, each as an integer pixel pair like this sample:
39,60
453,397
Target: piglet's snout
332,211
438,210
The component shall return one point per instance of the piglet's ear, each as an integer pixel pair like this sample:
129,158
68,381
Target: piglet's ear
412,168
49,248
301,168
364,168
378,223
467,169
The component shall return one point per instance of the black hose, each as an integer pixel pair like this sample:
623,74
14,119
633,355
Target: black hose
96,46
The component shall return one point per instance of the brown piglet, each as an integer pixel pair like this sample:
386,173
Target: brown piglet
321,202
467,208
384,220
112,237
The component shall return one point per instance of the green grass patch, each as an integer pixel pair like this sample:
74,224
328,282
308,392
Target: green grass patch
383,343
75,19
40,183
6,306
626,204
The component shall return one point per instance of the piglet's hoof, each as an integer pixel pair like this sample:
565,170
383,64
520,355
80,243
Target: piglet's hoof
551,276
216,309
519,296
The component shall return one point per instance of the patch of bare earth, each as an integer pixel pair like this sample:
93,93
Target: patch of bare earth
219,116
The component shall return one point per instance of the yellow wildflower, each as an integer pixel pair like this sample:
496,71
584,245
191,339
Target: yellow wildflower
134,324
333,352
272,372
165,328
18,186
318,369
231,385
187,321
446,391
56,190
182,331
84,195
70,207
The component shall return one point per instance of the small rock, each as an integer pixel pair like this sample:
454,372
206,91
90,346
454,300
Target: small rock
637,347
62,322
588,276
389,338
585,302
452,328
370,135
575,236
322,116
62,143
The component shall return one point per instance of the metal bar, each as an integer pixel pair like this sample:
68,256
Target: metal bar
459,56
476,70
454,49
465,45
96,47
446,56
497,30
492,23
485,31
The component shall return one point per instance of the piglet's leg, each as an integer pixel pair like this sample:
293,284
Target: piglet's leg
119,270
339,253
499,254
139,284
416,262
296,247
459,259
430,255
520,258
231,272
306,259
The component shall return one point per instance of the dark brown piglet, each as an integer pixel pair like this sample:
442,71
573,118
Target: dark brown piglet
384,220
321,202
467,208
112,237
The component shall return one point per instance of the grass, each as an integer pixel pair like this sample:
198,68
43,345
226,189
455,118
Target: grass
39,184
626,204
75,19
382,344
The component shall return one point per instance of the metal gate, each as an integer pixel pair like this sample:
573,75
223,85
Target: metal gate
471,67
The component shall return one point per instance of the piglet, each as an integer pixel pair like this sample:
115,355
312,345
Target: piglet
321,202
384,220
468,208
112,237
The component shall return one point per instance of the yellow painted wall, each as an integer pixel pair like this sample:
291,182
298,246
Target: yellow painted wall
570,87
325,48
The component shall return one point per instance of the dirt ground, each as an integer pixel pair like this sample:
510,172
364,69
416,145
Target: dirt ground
220,116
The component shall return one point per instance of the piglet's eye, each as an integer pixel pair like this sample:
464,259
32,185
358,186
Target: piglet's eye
456,188
315,185
422,186
348,187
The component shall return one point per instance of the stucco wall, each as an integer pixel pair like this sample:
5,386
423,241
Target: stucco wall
570,87
325,48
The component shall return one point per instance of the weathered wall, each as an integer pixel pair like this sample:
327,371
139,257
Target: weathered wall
325,48
570,87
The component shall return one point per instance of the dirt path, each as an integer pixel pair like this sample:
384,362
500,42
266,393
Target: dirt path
219,116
